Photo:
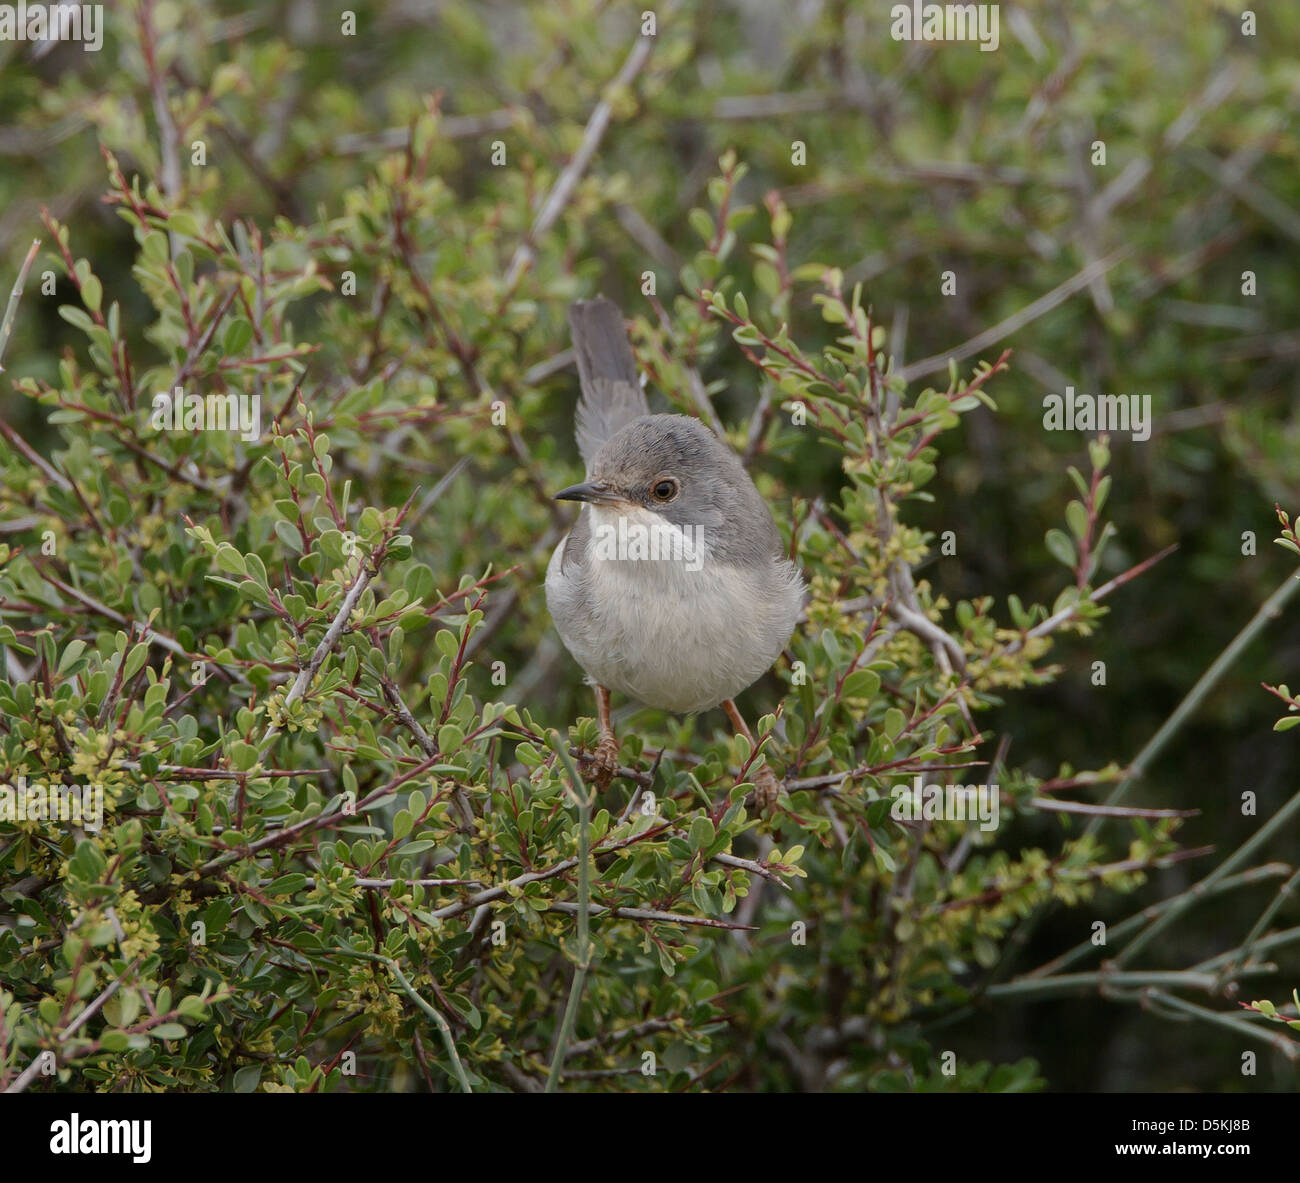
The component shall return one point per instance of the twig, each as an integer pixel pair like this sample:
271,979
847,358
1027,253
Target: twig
1051,987
567,181
744,864
327,642
1052,623
15,295
1242,955
444,1029
1279,1043
1133,923
583,797
428,747
649,1027
1017,320
450,127
1053,805
30,454
146,634
1269,610
1234,860
651,914
1265,945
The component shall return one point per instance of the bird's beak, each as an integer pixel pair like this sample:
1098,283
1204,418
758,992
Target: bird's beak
590,491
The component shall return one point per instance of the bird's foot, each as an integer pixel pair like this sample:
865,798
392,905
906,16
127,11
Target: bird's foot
605,759
767,788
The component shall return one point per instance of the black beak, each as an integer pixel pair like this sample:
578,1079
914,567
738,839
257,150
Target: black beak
592,491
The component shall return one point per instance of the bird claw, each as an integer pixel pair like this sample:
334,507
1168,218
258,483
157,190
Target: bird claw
767,788
605,760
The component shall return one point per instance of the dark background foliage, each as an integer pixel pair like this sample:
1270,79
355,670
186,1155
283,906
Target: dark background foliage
920,159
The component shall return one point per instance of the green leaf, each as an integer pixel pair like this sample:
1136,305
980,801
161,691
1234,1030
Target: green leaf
1076,517
243,756
192,1006
76,317
184,222
287,884
287,533
253,591
230,560
135,660
92,293
74,650
417,847
1061,548
701,833
154,247
861,684
237,336
129,1003
88,863
701,223
1103,488
248,1078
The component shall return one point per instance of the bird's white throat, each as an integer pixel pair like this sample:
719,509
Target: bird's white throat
638,535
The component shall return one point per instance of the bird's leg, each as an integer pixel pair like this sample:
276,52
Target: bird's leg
766,785
606,756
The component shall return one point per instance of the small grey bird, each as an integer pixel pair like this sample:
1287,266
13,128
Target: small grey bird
672,587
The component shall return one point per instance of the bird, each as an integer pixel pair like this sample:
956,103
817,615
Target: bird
672,587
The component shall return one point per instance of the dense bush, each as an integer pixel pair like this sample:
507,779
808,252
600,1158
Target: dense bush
347,841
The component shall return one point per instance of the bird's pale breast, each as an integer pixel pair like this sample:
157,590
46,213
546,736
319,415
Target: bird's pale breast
679,639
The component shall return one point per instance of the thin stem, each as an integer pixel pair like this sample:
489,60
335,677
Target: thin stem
1136,921
567,181
1069,983
15,295
444,1029
1269,610
327,642
583,798
1238,1026
1185,901
1265,945
1242,955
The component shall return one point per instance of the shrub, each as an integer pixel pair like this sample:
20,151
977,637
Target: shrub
346,841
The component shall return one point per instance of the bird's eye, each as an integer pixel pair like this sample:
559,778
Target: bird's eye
664,490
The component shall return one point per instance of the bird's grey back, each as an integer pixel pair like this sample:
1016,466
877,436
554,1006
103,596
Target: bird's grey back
611,388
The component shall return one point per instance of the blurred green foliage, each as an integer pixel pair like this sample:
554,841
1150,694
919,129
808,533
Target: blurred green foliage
375,232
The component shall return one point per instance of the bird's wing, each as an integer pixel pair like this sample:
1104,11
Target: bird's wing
611,388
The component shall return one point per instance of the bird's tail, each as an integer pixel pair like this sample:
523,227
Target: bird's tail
611,388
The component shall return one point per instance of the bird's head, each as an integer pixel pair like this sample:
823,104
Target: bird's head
675,468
